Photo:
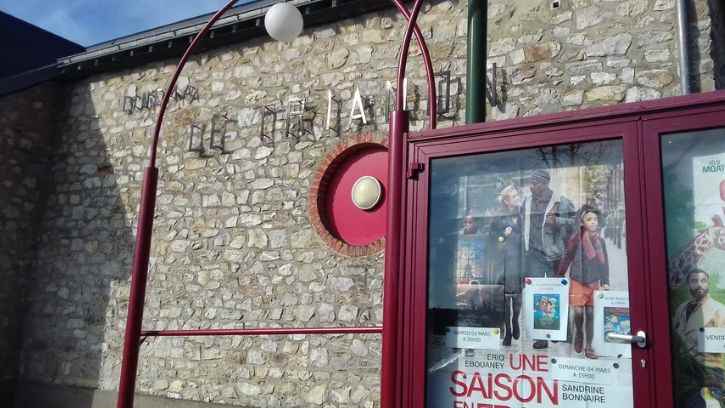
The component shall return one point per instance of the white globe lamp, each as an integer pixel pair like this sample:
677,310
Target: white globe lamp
283,22
366,192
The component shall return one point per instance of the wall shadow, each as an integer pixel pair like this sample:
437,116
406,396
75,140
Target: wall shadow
717,15
81,253
25,119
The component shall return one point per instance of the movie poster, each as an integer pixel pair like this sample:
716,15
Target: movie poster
611,315
483,379
519,243
547,306
694,191
708,190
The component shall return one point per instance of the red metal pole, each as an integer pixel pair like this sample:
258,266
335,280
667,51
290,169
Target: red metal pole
271,331
394,232
131,341
393,260
403,61
179,67
132,338
432,93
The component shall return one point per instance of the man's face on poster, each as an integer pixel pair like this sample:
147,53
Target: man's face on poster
699,285
469,225
537,188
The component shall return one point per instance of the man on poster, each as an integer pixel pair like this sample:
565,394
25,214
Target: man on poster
705,369
548,220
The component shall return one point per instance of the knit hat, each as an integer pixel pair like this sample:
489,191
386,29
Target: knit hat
540,177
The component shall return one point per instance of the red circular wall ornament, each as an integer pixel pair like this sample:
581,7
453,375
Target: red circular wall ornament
346,228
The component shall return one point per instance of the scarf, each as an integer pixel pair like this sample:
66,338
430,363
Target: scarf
592,246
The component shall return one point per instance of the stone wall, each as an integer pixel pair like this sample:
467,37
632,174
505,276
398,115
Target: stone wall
233,243
717,15
26,121
588,53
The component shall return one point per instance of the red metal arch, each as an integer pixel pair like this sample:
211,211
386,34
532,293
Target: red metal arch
398,129
394,238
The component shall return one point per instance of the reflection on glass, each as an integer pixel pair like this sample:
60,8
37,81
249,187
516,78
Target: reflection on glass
527,273
693,170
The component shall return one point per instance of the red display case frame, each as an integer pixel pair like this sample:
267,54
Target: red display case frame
639,126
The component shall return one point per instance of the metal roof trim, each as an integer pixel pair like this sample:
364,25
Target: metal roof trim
245,12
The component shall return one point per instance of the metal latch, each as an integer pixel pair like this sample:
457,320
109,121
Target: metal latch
639,339
414,169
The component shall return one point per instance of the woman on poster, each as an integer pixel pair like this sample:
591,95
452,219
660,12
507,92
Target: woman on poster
505,230
588,265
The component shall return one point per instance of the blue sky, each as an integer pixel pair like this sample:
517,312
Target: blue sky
89,22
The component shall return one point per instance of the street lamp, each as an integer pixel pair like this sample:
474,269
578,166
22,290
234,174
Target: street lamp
284,23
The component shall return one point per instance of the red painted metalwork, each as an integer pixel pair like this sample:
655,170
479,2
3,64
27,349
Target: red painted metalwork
271,331
398,128
425,151
131,341
619,112
654,127
404,47
645,243
405,291
393,261
420,40
346,221
179,67
392,377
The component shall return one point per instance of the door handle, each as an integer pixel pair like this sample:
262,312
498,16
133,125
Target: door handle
639,339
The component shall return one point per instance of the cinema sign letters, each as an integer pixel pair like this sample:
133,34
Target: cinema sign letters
297,114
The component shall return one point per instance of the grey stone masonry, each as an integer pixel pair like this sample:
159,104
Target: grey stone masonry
233,246
26,135
717,15
588,53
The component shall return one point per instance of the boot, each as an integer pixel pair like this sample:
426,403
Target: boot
578,341
541,344
507,339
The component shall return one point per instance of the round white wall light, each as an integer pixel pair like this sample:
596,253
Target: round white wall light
283,22
366,192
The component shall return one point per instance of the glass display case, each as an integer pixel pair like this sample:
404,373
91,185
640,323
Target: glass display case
568,261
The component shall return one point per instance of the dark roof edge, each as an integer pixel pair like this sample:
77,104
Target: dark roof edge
241,23
184,28
189,25
28,79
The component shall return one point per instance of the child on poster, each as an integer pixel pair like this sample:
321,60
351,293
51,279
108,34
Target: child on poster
588,267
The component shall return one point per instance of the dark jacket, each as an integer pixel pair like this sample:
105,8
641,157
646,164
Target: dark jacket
507,251
554,235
